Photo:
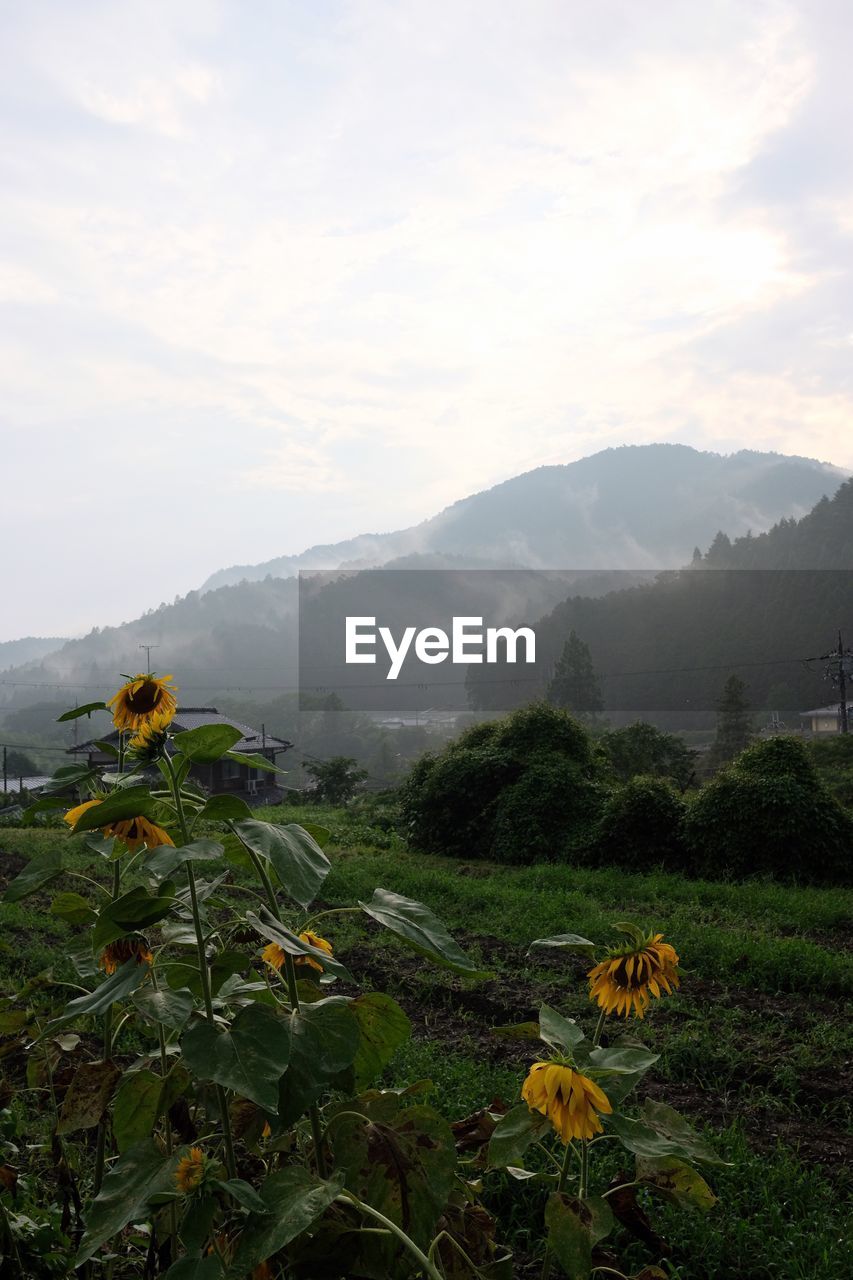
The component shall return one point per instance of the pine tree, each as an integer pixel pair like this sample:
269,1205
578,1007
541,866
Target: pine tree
575,685
734,723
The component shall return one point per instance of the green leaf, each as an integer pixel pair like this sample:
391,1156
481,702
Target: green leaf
73,908
136,1108
249,1057
169,1008
565,942
517,1031
513,1134
85,710
137,1175
322,835
133,911
669,1122
623,1062
416,925
383,1028
207,743
207,1268
87,1096
653,1136
245,1195
163,861
404,1167
568,1236
116,987
561,1033
324,1042
38,872
69,777
225,808
255,762
297,859
676,1181
42,805
294,1199
124,803
268,927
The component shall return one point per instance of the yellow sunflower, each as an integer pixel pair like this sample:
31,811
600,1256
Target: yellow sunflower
74,815
190,1171
149,741
142,697
630,974
138,831
570,1100
115,954
274,955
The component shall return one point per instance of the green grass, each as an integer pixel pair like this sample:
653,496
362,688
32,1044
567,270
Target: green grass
752,1049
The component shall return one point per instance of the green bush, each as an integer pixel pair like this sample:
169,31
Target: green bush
516,789
642,827
769,812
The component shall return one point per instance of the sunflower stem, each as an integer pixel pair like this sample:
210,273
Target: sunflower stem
599,1027
164,1071
293,993
101,1149
204,972
429,1268
564,1173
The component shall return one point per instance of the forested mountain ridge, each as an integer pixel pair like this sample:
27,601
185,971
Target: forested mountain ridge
632,507
823,539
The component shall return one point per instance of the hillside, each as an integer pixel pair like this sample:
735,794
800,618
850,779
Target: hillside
27,649
635,507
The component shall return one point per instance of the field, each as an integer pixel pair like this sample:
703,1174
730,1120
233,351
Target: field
756,1046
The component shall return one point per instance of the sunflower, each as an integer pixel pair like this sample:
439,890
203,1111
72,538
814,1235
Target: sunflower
149,741
115,954
630,974
275,956
138,831
140,698
74,815
190,1171
570,1100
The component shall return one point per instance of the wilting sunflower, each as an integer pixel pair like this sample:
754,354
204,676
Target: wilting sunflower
148,743
115,954
141,698
570,1100
190,1171
274,954
74,815
133,831
630,974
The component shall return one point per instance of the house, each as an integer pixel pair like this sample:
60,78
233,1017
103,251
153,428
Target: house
823,720
222,775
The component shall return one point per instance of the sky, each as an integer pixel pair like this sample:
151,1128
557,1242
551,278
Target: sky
274,274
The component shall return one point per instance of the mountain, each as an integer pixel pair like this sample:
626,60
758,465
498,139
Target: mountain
634,507
27,649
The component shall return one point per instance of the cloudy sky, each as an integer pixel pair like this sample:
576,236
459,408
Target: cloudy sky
276,273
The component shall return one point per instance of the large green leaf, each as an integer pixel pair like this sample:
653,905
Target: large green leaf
225,808
38,872
207,743
249,1057
561,1033
116,987
255,761
87,1096
163,861
121,804
85,710
133,911
383,1027
513,1134
668,1121
138,1174
298,861
207,1268
294,1199
68,777
622,1061
268,927
404,1167
568,1236
136,1108
676,1181
73,908
661,1132
565,942
421,930
170,1008
324,1042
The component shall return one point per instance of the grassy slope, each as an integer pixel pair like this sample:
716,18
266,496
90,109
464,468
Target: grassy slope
755,1045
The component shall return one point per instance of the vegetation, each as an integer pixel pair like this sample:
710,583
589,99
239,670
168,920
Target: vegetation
334,781
642,749
574,685
734,724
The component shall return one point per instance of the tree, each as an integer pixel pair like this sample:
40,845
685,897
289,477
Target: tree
574,685
19,765
734,723
642,749
335,781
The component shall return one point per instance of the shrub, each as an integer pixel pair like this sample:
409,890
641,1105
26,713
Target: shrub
517,789
642,827
768,812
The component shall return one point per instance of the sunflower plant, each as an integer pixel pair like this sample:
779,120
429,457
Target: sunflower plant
576,1102
211,1092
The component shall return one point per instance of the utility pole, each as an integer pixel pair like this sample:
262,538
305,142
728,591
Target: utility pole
5,788
839,665
148,648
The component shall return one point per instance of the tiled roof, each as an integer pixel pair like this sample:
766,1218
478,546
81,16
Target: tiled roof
194,718
832,710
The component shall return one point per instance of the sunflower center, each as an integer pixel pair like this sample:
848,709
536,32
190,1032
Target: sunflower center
621,976
146,697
